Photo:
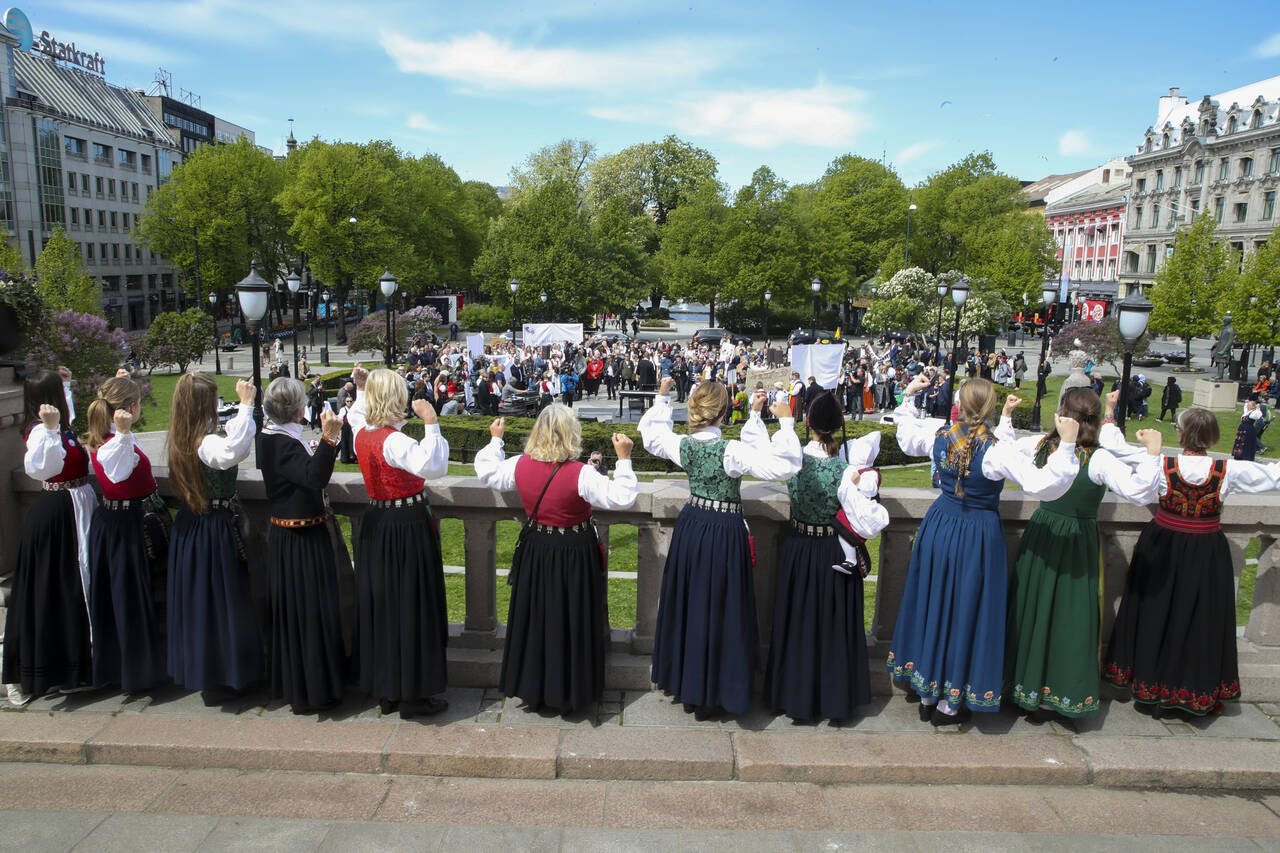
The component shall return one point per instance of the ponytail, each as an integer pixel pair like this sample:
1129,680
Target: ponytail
118,392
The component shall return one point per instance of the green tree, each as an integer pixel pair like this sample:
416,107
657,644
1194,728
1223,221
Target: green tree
568,161
1254,298
11,259
762,244
63,279
176,338
1017,255
689,261
654,177
909,300
1189,284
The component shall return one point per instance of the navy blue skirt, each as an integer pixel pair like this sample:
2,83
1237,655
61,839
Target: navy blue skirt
706,643
126,631
949,641
214,639
818,658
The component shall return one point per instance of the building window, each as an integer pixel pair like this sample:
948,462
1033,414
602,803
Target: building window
1155,216
1195,207
1137,217
146,163
115,252
1242,211
75,217
1269,205
1232,124
1159,179
76,148
113,220
1147,147
1131,261
88,219
98,184
102,223
1151,259
128,253
127,159
1199,172
1274,168
125,221
1111,271
49,170
1224,169
102,154
111,187
71,182
84,183
1219,205
1177,177
1256,121
102,251
135,191
88,249
1246,167
1142,185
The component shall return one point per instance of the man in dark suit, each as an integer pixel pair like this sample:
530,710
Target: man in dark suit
647,374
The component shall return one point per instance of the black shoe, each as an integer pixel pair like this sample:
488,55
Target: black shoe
423,708
704,714
940,719
388,706
926,711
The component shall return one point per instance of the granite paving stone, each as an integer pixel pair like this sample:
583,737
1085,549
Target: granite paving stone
653,708
1182,762
716,805
487,839
41,831
312,796
973,842
495,802
880,841
48,737
951,807
1120,719
53,787
1094,809
644,753
371,837
474,750
1237,721
762,841
148,833
619,841
249,835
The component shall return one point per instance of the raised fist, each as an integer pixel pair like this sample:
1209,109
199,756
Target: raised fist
622,445
330,425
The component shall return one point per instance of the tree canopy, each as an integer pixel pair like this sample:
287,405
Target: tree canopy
63,280
1190,283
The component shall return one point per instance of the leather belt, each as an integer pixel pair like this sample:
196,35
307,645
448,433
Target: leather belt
394,503
580,527
65,484
715,506
806,529
128,503
314,521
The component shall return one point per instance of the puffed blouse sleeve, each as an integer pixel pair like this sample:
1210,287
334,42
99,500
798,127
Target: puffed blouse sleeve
221,453
1111,439
618,492
915,433
1138,485
1003,461
1250,477
428,458
1027,445
45,454
493,468
118,457
777,459
866,516
656,431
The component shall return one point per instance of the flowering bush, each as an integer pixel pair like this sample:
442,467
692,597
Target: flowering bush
909,301
370,334
1100,339
19,292
418,322
83,344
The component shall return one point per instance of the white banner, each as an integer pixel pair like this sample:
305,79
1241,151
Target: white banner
545,334
475,346
821,361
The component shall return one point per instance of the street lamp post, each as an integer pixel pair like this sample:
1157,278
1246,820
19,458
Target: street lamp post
816,287
544,307
1135,313
768,297
515,286
388,284
959,293
328,315
213,312
1071,305
907,249
295,282
1046,297
252,293
355,275
311,314
937,341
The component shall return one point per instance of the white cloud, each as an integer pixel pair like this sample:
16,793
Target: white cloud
417,121
911,152
482,60
823,115
117,49
1268,47
1074,143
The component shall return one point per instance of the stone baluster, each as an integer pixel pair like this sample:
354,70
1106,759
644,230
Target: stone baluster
653,540
1264,620
891,579
481,536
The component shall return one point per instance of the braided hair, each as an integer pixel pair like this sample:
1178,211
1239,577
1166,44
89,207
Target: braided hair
977,399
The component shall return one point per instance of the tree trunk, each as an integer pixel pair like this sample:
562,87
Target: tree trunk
1187,342
712,315
342,315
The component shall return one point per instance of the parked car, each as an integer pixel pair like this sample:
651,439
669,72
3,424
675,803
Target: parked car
613,337
711,337
812,336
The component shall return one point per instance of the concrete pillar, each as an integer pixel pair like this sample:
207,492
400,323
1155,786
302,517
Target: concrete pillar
1264,620
654,539
482,574
891,579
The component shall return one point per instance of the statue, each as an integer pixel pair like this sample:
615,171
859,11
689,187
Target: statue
1077,378
1220,355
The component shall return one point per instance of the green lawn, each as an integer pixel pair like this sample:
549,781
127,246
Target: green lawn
155,411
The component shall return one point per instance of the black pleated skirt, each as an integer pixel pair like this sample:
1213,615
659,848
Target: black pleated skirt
308,661
127,647
558,623
47,622
706,641
818,658
214,639
401,621
1174,639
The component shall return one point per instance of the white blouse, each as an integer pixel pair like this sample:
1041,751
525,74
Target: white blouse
427,459
221,453
498,472
44,459
117,456
1244,477
1001,461
866,516
1137,485
755,454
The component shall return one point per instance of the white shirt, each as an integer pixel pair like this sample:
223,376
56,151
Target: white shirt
44,459
499,473
427,459
1001,461
117,457
756,454
866,516
221,453
1245,477
1137,485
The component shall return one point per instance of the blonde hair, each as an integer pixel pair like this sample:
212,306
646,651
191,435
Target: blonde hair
977,399
708,404
195,406
118,392
385,397
556,435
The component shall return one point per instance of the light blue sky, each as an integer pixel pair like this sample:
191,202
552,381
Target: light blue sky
1046,87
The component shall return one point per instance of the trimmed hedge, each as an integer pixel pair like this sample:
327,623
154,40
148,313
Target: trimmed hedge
469,433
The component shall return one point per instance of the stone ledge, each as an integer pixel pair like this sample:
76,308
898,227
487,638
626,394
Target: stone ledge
481,751
48,738
646,754
1219,764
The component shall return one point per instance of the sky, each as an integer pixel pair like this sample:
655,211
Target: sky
1047,88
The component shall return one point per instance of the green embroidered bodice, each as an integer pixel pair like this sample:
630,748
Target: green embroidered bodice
219,485
704,463
814,489
1084,496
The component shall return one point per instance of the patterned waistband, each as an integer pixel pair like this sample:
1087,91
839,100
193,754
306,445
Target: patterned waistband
314,521
152,500
232,503
715,506
395,503
64,486
807,529
1169,521
580,527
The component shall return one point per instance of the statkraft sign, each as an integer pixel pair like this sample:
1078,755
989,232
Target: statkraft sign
68,52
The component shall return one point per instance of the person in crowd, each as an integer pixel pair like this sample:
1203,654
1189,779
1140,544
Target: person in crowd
1170,399
346,445
568,385
214,642
1019,369
306,650
46,639
558,621
1173,645
128,545
705,641
646,374
817,665
948,644
401,623
628,374
612,367
1245,447
1138,394
1053,626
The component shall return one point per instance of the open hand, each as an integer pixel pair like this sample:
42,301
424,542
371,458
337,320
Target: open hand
122,373
1068,428
622,445
498,427
426,411
359,376
917,385
781,409
1151,439
49,416
124,420
330,425
246,391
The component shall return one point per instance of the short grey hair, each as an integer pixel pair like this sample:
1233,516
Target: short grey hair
285,400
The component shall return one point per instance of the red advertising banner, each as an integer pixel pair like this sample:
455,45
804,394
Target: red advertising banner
1094,309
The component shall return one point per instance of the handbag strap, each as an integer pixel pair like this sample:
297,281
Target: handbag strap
529,521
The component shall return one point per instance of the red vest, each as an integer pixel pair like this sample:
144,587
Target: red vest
562,506
1187,508
75,463
139,484
383,482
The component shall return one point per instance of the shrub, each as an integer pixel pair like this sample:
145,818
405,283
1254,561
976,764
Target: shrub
418,322
175,338
654,324
20,293
484,318
83,344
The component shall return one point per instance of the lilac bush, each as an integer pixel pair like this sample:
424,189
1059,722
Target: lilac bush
83,344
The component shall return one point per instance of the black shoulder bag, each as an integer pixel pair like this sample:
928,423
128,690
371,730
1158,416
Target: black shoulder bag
518,553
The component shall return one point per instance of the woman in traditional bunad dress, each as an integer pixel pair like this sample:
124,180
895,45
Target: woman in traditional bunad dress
1052,633
948,645
558,621
1173,644
215,644
307,656
818,657
402,624
46,643
128,546
706,646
